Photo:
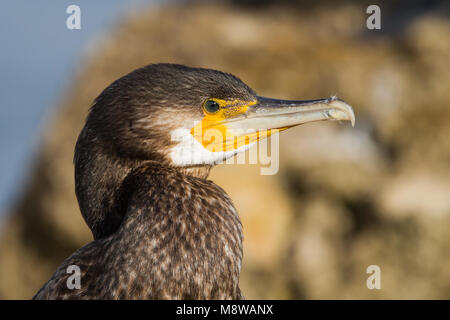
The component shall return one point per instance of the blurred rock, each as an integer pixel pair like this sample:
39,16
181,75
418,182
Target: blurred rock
344,198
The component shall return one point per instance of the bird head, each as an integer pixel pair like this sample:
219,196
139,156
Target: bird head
184,116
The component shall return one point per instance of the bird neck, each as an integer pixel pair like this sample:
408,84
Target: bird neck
183,233
99,176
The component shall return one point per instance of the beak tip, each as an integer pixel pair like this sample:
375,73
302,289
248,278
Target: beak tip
345,108
352,119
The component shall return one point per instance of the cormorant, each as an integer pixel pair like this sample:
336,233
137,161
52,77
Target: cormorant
161,229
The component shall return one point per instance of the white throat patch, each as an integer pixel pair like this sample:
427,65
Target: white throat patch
188,151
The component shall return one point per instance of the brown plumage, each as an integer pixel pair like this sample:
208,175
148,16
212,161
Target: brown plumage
181,238
161,229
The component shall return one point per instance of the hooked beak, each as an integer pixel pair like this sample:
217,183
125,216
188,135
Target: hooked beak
270,114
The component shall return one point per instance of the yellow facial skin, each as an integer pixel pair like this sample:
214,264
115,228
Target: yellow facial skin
212,132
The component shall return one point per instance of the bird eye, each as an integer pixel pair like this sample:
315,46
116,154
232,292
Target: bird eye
211,106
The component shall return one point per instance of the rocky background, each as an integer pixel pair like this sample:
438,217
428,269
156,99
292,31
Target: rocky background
344,198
